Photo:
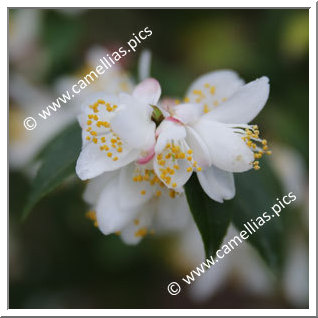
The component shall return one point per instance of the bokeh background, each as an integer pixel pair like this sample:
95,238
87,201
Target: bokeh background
58,259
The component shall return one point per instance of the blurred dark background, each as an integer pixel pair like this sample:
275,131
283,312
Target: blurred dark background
58,259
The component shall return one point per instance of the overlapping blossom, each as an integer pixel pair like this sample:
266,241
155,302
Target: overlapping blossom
140,152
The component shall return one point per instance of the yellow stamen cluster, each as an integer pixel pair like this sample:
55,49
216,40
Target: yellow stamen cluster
147,175
91,215
200,95
257,145
168,162
185,100
203,95
141,232
113,144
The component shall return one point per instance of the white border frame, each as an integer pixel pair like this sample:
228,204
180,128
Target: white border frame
312,166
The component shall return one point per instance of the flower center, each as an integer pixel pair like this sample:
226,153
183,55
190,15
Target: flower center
99,130
149,176
176,153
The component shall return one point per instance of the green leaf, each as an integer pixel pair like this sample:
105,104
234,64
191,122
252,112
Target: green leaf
58,161
256,193
212,218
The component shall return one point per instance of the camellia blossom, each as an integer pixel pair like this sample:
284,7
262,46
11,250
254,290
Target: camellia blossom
132,202
117,129
210,134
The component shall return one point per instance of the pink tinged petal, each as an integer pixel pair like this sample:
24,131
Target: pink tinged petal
165,104
133,194
148,91
244,105
214,88
133,123
149,156
110,217
95,187
201,152
227,150
187,113
217,184
141,226
92,161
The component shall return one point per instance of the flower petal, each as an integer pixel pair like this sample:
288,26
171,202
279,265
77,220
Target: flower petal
217,184
214,88
97,111
93,162
133,194
171,171
179,177
133,123
93,98
173,213
95,187
167,131
187,113
227,150
201,152
244,105
148,91
110,217
133,233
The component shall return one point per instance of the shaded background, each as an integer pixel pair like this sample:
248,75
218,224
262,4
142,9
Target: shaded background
57,258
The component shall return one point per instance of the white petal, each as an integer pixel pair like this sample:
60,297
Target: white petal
95,187
110,217
215,88
144,64
227,150
133,123
93,162
180,176
217,184
173,213
187,113
244,105
148,91
201,152
131,194
133,233
168,131
93,98
103,115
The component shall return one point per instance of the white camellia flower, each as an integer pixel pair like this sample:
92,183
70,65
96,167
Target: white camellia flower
117,130
132,202
209,133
